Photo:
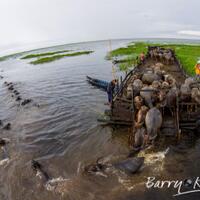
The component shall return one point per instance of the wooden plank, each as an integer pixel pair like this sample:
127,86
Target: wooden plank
124,116
121,120
123,99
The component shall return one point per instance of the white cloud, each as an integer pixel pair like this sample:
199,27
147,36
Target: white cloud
189,33
25,22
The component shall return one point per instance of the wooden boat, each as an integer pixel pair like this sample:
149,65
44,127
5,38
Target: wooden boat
98,83
187,114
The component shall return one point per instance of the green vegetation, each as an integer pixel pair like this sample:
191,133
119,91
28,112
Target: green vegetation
133,48
188,54
44,54
56,57
3,58
126,57
125,63
125,66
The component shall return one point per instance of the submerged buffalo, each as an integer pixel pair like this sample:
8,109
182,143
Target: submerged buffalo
39,170
58,185
3,141
7,126
130,165
62,185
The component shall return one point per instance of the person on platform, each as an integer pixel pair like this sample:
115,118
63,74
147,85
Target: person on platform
197,70
142,58
111,90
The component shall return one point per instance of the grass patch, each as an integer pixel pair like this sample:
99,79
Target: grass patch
188,54
135,48
57,57
43,54
127,62
125,66
3,58
129,55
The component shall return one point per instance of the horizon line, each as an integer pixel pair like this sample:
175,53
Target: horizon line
100,40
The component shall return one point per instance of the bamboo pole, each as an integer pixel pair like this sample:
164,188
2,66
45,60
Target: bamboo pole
113,67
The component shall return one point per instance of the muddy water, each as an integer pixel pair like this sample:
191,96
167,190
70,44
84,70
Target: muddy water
63,134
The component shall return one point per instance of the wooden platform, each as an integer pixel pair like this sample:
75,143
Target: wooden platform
123,111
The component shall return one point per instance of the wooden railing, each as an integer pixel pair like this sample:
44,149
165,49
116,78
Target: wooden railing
123,83
181,67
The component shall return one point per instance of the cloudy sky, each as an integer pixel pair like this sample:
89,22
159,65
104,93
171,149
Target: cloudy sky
28,22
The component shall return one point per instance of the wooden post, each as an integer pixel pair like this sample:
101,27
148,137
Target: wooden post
113,67
132,131
177,119
132,106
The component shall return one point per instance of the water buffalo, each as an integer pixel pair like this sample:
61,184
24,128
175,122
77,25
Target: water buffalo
168,57
95,167
11,87
153,122
149,77
7,126
18,98
189,81
160,56
147,93
137,86
3,141
39,170
165,85
26,101
171,97
195,94
156,84
185,93
58,185
130,165
170,80
162,97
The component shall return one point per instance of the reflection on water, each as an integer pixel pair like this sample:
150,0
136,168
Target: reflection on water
63,132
